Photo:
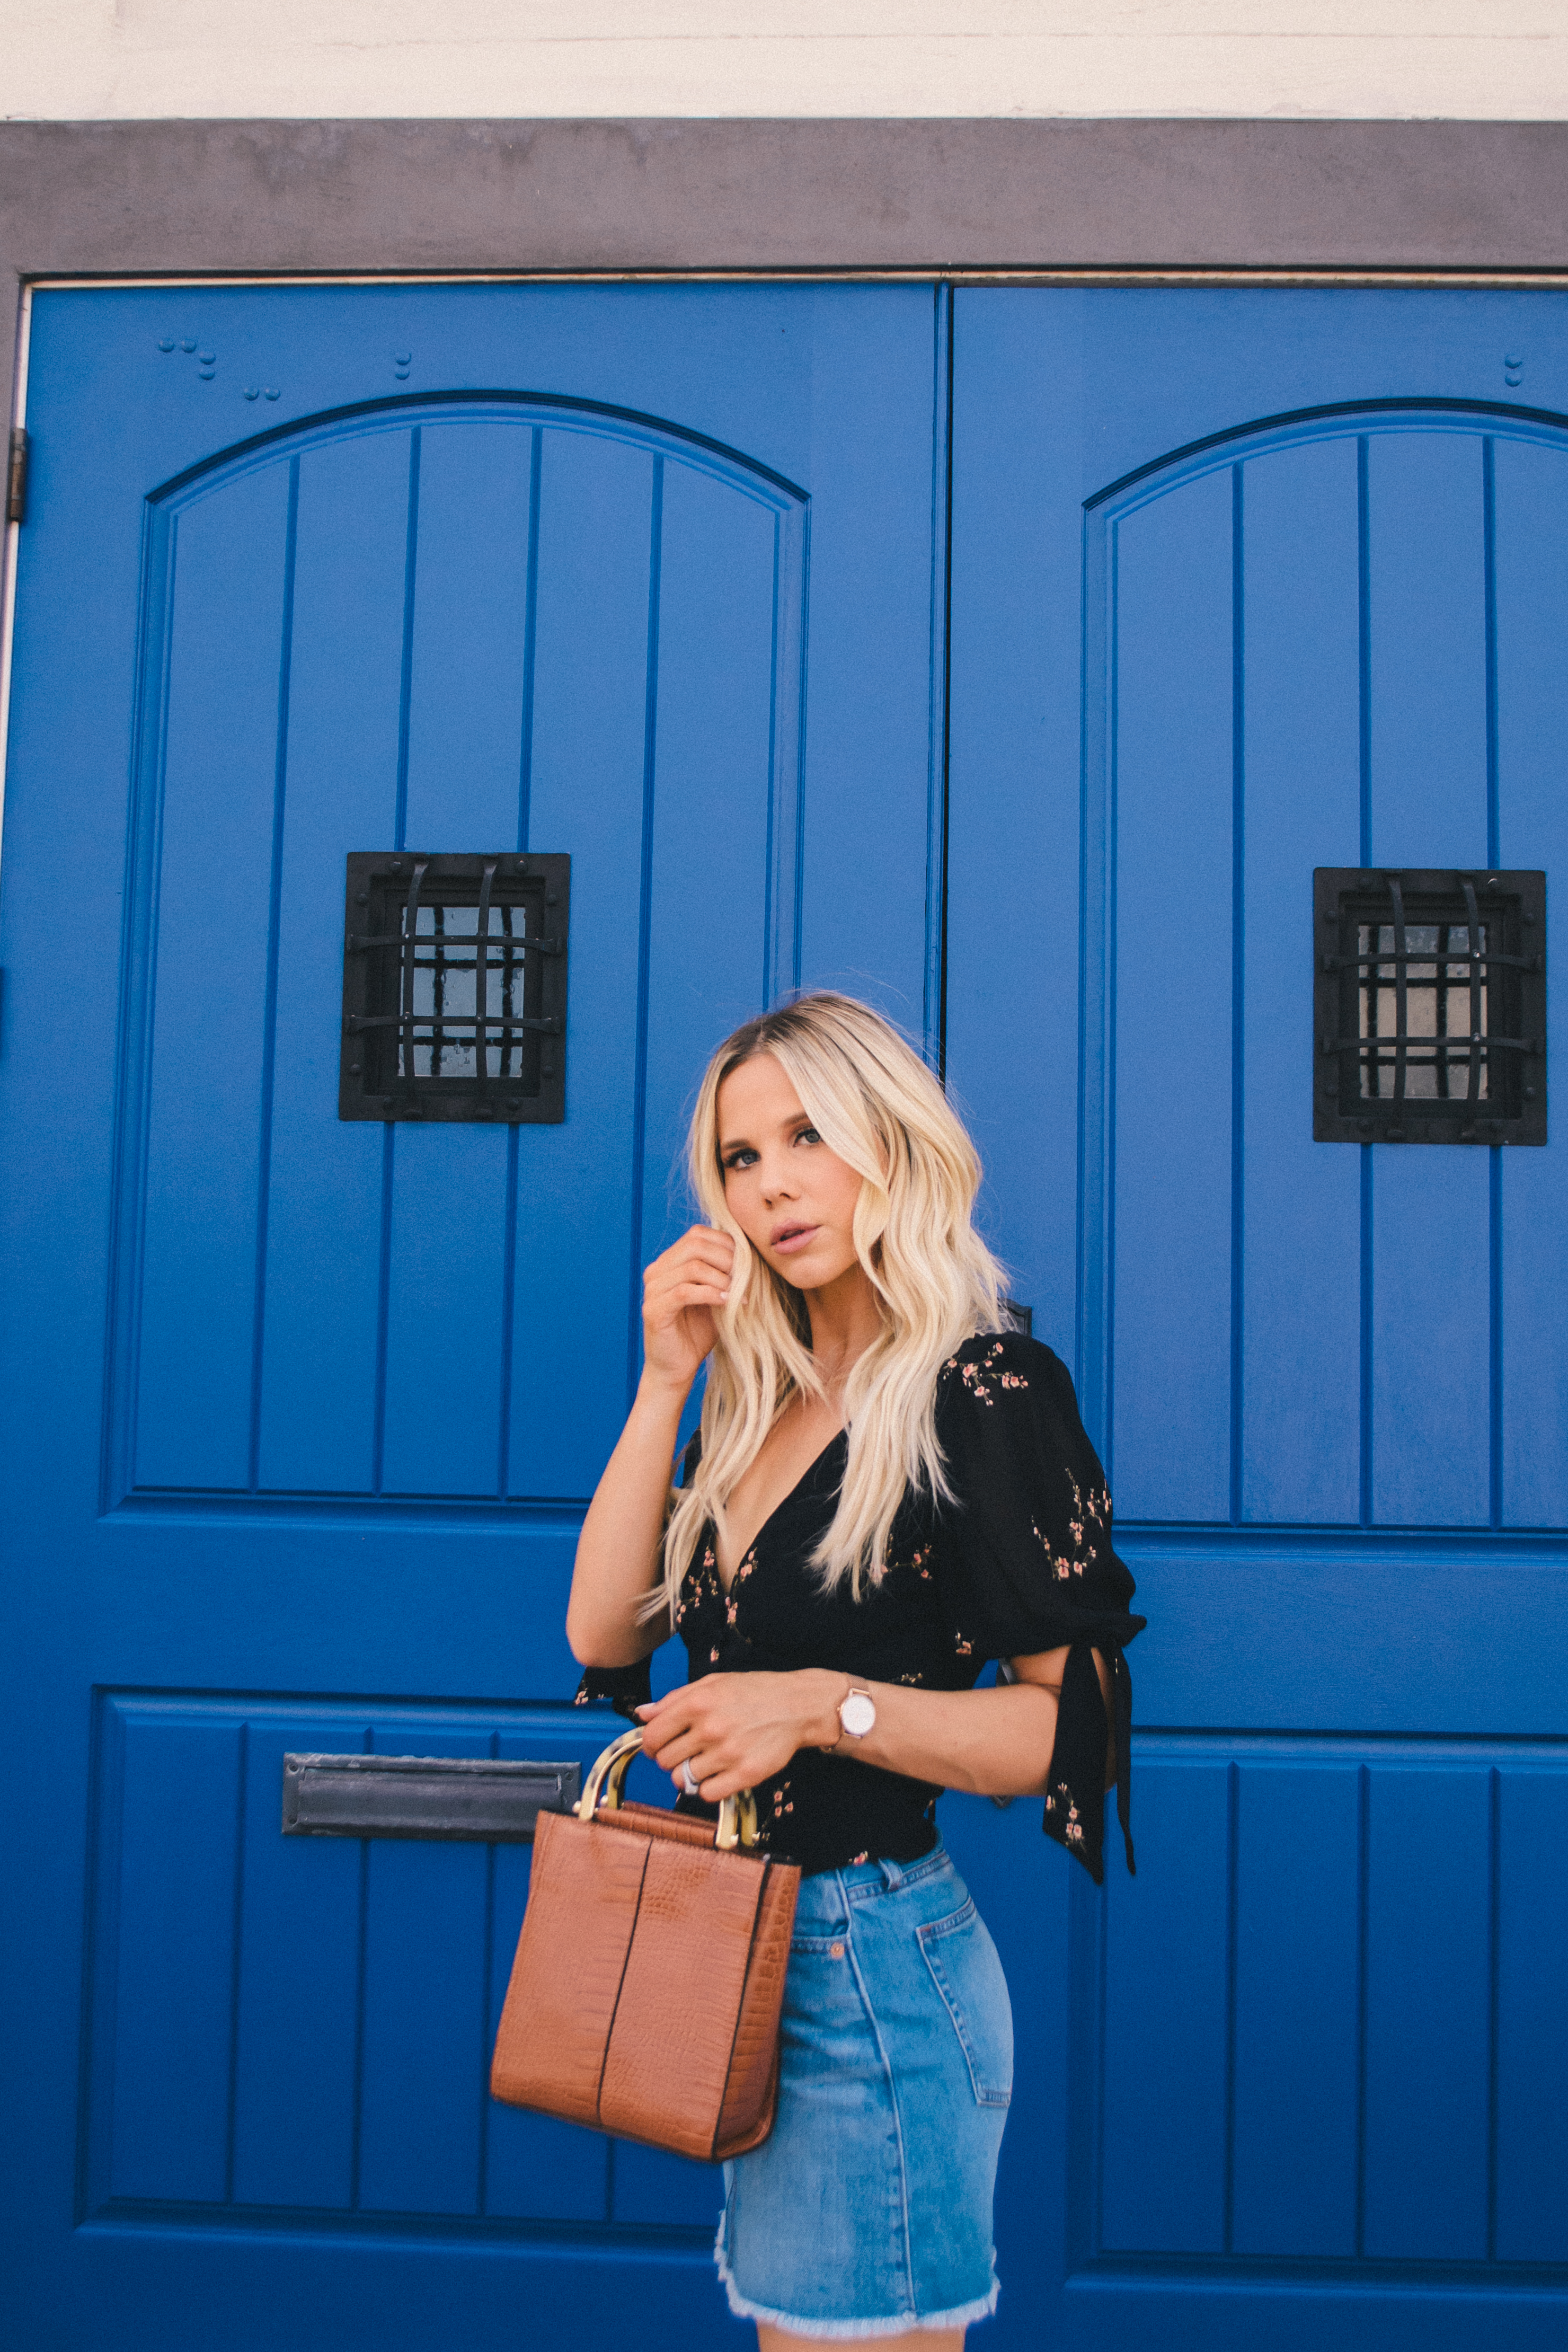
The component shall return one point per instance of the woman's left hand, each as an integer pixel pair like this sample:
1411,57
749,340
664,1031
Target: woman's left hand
734,1729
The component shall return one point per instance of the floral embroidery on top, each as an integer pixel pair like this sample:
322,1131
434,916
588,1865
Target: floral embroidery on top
1071,1827
1092,1516
982,1379
1061,1568
701,1573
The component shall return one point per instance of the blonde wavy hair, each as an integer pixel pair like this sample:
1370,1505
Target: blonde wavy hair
873,1102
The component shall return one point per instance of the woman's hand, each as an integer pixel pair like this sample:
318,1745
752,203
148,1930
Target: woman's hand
680,1291
736,1729
617,1552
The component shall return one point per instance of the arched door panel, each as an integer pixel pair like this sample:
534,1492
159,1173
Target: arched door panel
458,629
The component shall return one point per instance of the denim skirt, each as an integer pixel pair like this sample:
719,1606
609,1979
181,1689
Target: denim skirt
867,2210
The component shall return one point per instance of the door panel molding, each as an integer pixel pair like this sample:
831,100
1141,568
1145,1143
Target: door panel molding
1375,482
226,928
255,2003
1322,1913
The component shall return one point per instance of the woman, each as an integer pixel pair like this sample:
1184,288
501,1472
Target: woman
889,1489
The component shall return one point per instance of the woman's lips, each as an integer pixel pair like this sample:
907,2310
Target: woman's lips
790,1238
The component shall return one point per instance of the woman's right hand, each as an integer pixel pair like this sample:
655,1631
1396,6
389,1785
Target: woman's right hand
618,1552
680,1292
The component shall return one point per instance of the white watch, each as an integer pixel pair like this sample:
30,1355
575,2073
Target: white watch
857,1713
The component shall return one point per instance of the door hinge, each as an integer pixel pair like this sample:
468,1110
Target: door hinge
16,477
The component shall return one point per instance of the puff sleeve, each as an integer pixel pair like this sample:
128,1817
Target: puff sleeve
1025,1563
625,1688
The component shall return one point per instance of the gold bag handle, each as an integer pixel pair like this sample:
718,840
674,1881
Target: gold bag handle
737,1815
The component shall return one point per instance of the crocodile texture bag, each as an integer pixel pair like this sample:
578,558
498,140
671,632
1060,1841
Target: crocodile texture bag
649,1977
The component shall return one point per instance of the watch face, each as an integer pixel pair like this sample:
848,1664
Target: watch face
857,1714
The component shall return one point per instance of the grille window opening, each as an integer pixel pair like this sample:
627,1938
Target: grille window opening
442,1039
454,987
1440,1064
1430,1006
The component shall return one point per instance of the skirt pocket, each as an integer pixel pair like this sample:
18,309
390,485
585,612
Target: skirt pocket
967,1973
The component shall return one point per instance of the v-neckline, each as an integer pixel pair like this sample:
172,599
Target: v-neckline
815,1464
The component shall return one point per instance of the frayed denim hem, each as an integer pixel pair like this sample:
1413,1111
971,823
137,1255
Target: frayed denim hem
848,2331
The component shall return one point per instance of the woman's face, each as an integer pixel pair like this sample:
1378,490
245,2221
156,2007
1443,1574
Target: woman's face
792,1197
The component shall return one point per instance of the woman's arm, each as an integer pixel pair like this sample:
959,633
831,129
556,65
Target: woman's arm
736,1729
617,1552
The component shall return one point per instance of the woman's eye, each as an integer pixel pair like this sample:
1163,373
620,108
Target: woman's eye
744,1158
808,1135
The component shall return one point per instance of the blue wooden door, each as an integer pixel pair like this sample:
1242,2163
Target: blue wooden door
1246,583
298,1417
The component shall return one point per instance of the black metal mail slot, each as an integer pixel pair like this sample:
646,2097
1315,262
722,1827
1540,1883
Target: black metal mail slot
423,1797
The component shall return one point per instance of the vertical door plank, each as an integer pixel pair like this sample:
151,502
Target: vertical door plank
1294,2154
1301,1220
447,1247
1431,1313
1531,540
1431,1324
174,1958
1015,632
469,643
1171,1442
868,746
1163,2057
1533,2022
297,2028
445,1321
220,783
1428,2011
1427,647
427,2063
324,1177
573,1229
709,878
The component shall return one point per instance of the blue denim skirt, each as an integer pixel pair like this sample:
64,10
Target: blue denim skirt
867,2211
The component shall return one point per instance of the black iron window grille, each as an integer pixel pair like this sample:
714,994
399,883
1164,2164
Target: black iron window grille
454,987
1430,1006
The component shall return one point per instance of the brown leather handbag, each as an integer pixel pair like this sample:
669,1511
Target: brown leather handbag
649,1978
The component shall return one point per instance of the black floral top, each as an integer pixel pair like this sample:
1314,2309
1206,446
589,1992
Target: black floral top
1019,1562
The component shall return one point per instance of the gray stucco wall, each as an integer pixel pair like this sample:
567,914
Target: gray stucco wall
132,198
